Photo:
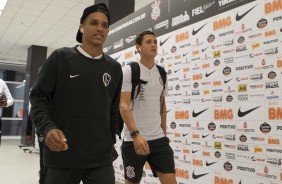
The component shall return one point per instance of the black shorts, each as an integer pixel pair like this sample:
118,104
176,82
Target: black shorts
101,175
160,159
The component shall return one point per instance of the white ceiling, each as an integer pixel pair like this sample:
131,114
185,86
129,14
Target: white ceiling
50,23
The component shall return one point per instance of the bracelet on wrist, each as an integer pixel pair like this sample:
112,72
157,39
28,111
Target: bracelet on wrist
134,133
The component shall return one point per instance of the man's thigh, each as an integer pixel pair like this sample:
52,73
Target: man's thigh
161,158
101,175
62,175
133,163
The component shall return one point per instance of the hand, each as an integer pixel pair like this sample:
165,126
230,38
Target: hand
141,145
28,139
3,104
3,101
56,140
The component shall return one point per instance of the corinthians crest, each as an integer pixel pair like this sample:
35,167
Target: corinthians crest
156,11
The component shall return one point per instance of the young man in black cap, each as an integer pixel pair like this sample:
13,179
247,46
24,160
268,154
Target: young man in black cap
74,105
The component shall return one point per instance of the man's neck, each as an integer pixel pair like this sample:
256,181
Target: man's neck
92,51
148,62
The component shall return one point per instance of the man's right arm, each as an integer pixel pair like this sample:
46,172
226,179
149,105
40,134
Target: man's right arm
140,144
126,112
41,97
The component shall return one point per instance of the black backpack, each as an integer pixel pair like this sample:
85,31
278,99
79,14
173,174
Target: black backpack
136,82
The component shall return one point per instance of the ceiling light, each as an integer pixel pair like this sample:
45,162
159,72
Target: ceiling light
2,5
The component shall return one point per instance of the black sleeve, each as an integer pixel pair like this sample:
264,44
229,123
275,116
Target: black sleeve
115,105
28,130
42,94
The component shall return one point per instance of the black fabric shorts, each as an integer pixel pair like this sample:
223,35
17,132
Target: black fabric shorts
101,175
160,159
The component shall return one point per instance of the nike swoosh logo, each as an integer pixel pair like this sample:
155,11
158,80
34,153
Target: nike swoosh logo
194,114
208,74
197,176
185,54
161,43
168,111
195,151
184,135
204,136
195,32
242,114
117,57
209,164
226,81
175,71
73,76
239,17
203,50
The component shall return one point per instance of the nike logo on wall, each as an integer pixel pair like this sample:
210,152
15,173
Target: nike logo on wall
239,17
204,136
194,114
161,43
117,57
184,135
73,76
197,176
195,151
185,54
226,81
195,32
208,74
203,50
242,114
175,71
168,111
209,164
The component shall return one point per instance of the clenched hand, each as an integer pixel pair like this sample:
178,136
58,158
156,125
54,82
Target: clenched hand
56,140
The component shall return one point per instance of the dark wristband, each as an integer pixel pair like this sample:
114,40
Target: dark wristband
134,133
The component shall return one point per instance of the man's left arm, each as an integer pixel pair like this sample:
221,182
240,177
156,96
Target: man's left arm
115,105
163,113
163,108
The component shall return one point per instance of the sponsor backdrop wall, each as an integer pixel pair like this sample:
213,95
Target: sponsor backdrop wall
224,109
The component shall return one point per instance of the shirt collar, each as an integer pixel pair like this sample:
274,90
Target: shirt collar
144,67
87,55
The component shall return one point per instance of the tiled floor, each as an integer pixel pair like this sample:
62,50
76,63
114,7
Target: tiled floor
16,166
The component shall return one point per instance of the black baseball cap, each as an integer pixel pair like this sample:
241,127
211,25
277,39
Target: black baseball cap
101,7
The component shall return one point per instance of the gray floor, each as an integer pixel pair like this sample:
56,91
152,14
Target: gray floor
17,166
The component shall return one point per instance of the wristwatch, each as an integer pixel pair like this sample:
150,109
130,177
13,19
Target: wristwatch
134,133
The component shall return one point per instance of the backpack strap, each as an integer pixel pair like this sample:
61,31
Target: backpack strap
135,77
135,80
163,76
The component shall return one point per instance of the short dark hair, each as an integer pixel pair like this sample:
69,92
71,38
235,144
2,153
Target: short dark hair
141,35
